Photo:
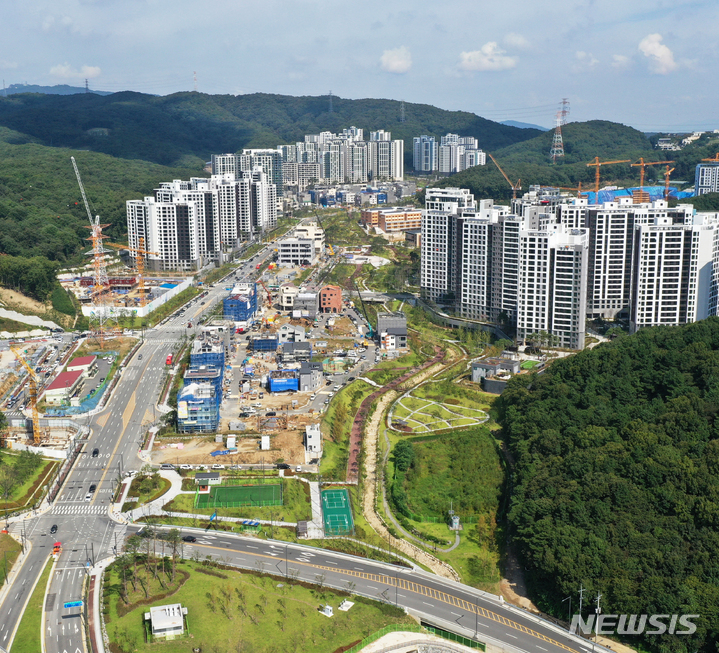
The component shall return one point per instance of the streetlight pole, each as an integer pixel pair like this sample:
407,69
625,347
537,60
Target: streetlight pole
569,598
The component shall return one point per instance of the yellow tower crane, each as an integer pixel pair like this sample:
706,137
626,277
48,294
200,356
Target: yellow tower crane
597,163
667,173
642,197
139,256
515,187
32,383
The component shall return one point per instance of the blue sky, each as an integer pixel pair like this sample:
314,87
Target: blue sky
647,63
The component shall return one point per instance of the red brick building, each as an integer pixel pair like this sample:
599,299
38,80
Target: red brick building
331,299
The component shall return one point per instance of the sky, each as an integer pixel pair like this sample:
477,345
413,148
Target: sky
651,64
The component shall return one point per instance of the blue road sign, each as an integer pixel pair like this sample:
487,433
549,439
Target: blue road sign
214,515
73,604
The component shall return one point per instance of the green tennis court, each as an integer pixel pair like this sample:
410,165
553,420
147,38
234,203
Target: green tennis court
337,512
234,496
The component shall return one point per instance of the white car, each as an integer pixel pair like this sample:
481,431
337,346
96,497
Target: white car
216,466
185,466
88,496
298,468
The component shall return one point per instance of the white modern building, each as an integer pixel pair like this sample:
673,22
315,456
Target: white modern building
706,178
296,251
425,157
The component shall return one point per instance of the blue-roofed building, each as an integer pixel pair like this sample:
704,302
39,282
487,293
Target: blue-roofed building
241,304
198,408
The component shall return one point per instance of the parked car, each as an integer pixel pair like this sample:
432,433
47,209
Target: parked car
217,466
271,413
298,468
92,489
185,466
283,466
88,497
244,414
167,466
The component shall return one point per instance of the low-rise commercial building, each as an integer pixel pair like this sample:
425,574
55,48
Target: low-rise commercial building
331,299
296,251
288,293
85,364
63,387
392,330
306,304
310,376
313,439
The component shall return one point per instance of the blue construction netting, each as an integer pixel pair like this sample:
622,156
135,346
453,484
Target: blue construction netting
654,192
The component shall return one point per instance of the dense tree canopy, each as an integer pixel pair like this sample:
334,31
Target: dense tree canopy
617,477
188,127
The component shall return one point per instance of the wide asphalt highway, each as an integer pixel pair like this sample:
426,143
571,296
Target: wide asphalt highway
436,600
84,528
89,535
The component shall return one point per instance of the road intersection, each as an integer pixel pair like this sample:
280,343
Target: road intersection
91,535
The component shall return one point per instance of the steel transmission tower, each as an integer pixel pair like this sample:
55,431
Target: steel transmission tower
330,108
401,112
557,142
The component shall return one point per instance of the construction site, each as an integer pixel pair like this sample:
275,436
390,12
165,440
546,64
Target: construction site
20,385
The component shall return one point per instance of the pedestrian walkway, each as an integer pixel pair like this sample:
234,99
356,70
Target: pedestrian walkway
315,528
77,509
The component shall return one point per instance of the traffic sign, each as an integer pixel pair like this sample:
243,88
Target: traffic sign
73,604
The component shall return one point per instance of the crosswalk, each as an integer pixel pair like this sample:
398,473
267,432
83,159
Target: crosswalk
76,509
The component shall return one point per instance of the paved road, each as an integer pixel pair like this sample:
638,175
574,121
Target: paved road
86,531
89,535
437,600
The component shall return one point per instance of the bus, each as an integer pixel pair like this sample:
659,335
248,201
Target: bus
168,360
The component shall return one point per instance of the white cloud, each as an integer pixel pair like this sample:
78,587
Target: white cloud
7,65
66,71
661,57
398,60
620,61
514,40
586,59
489,57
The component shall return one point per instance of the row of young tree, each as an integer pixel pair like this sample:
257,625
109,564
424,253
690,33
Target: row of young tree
150,550
616,478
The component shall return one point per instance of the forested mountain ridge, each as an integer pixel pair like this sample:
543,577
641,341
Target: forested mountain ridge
529,161
186,128
617,478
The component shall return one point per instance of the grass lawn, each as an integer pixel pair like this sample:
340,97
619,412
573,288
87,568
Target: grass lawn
227,607
145,497
472,482
528,365
296,505
24,493
27,638
11,548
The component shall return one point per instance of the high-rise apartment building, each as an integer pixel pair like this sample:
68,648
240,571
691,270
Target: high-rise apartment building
425,154
191,223
550,265
706,178
271,163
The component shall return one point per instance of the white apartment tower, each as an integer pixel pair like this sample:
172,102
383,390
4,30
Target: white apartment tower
425,155
552,290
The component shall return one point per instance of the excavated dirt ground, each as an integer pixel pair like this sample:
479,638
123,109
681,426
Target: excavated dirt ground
285,445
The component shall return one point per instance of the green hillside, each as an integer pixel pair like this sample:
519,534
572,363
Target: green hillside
529,161
616,478
186,128
41,209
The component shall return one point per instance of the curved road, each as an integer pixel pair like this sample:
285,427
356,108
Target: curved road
89,535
